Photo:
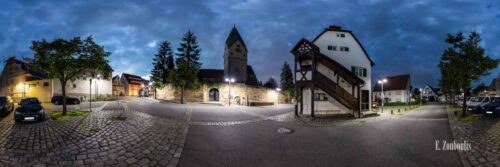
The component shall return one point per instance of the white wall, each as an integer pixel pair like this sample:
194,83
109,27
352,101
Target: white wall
354,57
395,95
330,105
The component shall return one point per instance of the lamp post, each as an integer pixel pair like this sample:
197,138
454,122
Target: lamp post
278,90
420,96
381,82
150,87
229,81
98,76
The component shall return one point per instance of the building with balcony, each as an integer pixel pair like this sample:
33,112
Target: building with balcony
332,74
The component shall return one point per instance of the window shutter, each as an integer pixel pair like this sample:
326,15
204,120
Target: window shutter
364,72
353,70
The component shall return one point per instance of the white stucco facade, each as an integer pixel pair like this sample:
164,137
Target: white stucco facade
345,50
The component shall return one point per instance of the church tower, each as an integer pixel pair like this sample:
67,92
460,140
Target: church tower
235,57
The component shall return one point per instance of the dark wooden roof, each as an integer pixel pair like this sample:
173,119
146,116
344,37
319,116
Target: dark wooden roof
339,29
251,77
234,36
214,75
134,79
397,82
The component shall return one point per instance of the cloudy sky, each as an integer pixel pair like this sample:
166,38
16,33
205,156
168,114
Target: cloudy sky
404,36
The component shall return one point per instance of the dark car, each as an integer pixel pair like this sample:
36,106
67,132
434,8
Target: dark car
57,100
492,108
6,105
30,109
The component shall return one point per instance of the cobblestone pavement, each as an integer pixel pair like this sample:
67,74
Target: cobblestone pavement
101,138
484,137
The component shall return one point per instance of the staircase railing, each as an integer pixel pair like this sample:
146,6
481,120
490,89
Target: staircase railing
334,90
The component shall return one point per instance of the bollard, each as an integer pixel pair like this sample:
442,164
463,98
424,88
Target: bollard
405,108
399,110
456,113
391,112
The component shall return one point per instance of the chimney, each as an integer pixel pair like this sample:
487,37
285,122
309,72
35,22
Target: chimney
334,27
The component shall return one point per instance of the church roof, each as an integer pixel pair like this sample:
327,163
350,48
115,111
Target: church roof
234,36
214,75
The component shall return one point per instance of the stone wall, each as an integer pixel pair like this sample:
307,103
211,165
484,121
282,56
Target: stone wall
245,93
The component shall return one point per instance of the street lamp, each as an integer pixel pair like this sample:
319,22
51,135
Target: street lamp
229,81
420,96
278,90
98,76
382,81
151,87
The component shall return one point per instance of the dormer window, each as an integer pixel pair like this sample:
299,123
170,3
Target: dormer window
340,35
237,45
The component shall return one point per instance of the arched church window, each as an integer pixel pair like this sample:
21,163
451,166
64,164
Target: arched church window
238,50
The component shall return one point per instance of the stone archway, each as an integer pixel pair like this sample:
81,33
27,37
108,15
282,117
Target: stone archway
213,94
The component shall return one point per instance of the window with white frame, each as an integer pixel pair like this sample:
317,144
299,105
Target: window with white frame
359,71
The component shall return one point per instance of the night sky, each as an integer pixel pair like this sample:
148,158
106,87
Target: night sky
400,36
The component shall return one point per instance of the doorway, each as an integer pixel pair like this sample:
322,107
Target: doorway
213,94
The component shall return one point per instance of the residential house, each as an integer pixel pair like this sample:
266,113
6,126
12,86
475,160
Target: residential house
118,89
132,84
429,93
18,81
396,89
333,74
494,88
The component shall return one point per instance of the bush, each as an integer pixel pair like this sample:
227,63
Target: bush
57,115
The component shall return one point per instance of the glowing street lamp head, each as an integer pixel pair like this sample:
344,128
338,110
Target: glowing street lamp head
227,79
278,89
232,80
382,81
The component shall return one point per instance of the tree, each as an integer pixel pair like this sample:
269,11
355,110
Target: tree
416,93
188,65
287,80
479,89
68,60
271,83
163,64
462,63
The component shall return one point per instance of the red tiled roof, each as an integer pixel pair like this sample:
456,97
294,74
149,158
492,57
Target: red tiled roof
398,82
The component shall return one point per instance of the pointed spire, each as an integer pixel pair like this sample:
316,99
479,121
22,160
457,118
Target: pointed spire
234,36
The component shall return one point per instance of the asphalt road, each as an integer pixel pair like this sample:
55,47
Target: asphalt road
389,142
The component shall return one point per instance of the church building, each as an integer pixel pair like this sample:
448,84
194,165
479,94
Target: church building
243,91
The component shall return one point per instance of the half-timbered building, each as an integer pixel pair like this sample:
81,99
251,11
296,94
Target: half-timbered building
332,74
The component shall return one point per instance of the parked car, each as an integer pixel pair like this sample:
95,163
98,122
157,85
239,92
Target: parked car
492,108
460,102
57,100
29,109
6,105
476,104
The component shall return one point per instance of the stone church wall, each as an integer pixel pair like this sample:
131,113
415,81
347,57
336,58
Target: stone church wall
246,94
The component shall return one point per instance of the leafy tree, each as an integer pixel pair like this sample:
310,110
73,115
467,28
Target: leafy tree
287,80
68,60
415,93
163,63
271,83
479,88
188,65
464,62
